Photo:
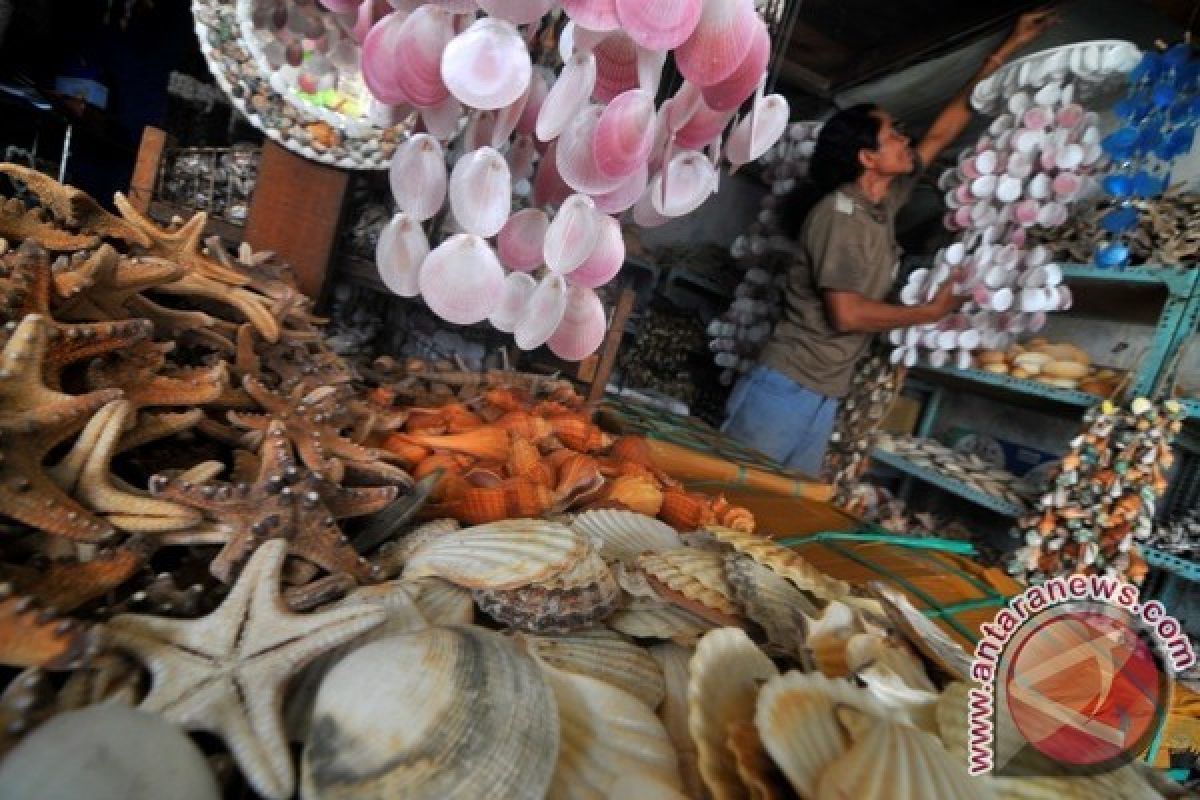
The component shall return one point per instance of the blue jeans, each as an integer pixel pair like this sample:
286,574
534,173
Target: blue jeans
780,418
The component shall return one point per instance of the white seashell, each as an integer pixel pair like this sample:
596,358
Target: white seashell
660,622
644,788
572,235
758,131
520,12
582,328
567,96
725,674
441,602
683,185
481,192
461,280
399,254
876,655
522,238
604,655
606,733
576,154
499,555
770,600
605,260
542,313
624,196
518,288
487,66
442,121
418,177
696,574
624,535
674,660
453,712
934,643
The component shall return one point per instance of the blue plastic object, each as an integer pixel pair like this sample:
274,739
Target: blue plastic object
1118,185
1120,220
1113,254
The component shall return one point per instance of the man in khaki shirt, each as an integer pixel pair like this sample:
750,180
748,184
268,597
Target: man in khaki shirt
835,299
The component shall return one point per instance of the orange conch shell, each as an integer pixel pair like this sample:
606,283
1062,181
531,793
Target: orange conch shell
489,443
636,493
685,511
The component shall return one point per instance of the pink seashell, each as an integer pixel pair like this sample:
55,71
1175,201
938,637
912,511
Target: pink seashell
538,89
542,313
703,128
339,6
481,126
567,96
683,185
624,196
520,158
681,106
572,235
616,66
1067,185
518,289
403,63
661,25
650,66
508,117
418,177
487,66
624,134
399,253
575,155
456,6
442,120
583,326
759,131
576,39
598,15
729,94
519,243
461,280
367,13
481,192
644,213
719,44
606,258
548,186
519,12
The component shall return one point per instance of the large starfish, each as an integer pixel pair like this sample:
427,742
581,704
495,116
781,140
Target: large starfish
226,672
21,224
112,285
73,207
309,420
33,420
284,502
139,372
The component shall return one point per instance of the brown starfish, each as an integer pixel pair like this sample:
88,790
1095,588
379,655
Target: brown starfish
284,502
139,371
33,420
31,636
309,420
113,286
181,246
68,584
21,224
73,207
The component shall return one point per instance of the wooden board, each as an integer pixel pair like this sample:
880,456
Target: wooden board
145,169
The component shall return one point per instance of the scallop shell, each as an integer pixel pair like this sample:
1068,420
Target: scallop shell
624,535
543,313
400,253
624,196
796,717
402,63
442,120
604,655
783,561
759,131
662,622
624,134
683,185
934,643
572,235
616,66
499,555
782,610
520,12
441,602
877,655
418,177
726,673
461,280
487,66
596,15
702,128
582,328
644,788
698,575
574,599
662,25
760,776
576,154
829,637
481,192
518,288
453,712
567,96
916,706
729,94
719,43
605,733
605,260
674,660
898,762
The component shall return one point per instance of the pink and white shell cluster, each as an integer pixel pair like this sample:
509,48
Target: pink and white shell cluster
582,143
1034,162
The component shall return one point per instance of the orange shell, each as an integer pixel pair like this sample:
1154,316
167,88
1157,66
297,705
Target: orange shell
636,493
525,424
576,472
450,488
489,443
485,474
685,511
524,458
480,505
738,518
448,461
579,434
526,498
408,452
506,398
425,421
631,449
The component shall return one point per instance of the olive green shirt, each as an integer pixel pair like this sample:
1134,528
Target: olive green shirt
848,244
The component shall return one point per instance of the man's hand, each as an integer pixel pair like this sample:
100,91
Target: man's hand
1032,25
946,302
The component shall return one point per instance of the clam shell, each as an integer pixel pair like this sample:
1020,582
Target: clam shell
604,655
499,555
542,313
624,535
572,235
760,776
399,254
933,643
453,712
624,196
401,62
683,185
674,660
582,328
698,575
796,718
616,66
605,733
770,600
605,260
662,25
759,131
487,66
702,128
520,241
725,674
644,788
481,192
567,96
441,602
574,599
418,177
518,288
519,12
576,154
719,43
596,15
730,93
461,280
624,134
663,622
784,562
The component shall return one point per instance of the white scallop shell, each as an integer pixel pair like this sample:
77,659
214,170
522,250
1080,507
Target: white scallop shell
663,622
499,555
829,637
759,131
726,673
604,655
698,575
567,96
782,610
931,640
784,561
418,176
605,733
674,660
542,313
572,234
583,325
452,712
399,254
518,288
481,192
624,535
461,280
487,66
683,185
441,602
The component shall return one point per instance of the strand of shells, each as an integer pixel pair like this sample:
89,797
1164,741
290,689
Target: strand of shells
875,386
1104,495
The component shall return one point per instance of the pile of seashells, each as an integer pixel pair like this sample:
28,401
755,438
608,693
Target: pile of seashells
1104,496
873,390
1179,536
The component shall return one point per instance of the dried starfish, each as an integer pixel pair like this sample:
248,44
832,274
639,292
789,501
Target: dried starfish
74,207
253,306
67,585
34,637
150,427
138,371
85,473
27,225
226,672
33,420
181,246
114,287
307,419
283,502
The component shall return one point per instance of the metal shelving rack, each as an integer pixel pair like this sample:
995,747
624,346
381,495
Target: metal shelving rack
947,483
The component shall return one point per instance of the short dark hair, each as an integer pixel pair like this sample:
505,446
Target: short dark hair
835,160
